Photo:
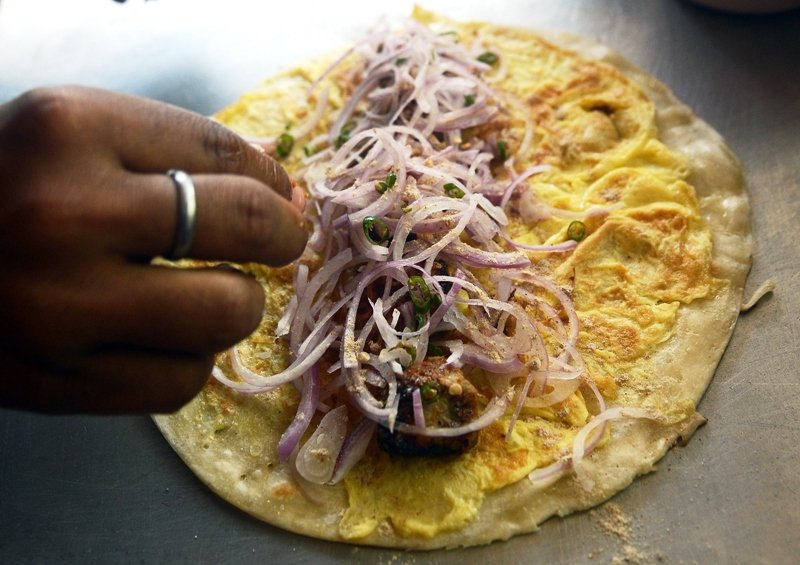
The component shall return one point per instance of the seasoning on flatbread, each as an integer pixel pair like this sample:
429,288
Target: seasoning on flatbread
527,258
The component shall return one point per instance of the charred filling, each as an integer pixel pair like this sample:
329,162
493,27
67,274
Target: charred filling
449,400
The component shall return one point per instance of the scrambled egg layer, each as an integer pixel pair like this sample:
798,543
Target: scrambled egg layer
638,264
425,496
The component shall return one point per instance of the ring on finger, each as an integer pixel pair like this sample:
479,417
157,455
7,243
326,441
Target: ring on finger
187,214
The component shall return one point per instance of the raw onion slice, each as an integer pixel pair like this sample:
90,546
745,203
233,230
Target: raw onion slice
416,403
546,476
317,458
353,449
263,383
580,446
568,245
305,411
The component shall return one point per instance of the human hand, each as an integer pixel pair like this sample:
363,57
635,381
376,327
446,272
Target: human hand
87,323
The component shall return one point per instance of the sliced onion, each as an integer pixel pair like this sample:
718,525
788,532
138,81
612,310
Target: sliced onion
263,383
568,245
305,411
330,270
313,119
416,403
317,458
546,476
562,389
580,447
353,449
558,293
479,357
535,170
480,258
238,386
285,322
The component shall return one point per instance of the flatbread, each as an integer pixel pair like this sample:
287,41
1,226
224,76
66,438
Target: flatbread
229,439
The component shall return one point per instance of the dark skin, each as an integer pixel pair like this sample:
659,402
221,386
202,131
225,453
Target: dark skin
87,322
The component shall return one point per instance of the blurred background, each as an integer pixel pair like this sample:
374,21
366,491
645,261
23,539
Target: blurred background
84,489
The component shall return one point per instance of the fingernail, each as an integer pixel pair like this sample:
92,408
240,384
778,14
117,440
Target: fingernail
298,198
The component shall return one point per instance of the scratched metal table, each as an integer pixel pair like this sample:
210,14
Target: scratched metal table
87,489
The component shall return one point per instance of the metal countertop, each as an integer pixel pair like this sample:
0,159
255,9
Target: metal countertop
90,489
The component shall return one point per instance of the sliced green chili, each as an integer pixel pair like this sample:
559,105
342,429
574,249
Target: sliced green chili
469,100
453,191
376,230
502,150
420,319
391,180
576,230
285,144
488,57
430,391
344,133
420,293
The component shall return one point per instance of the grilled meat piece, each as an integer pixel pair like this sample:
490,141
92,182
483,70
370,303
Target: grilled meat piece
448,400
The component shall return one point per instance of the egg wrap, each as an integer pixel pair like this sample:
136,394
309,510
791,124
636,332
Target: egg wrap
656,280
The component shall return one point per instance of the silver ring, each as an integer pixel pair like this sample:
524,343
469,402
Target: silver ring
187,214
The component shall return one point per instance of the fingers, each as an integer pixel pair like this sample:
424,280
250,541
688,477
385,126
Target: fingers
244,211
150,136
181,310
126,380
238,219
112,381
130,339
154,137
144,135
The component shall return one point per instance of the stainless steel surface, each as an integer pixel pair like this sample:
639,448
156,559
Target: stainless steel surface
83,489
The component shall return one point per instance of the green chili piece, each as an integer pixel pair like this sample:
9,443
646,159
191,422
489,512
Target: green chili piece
391,180
376,230
502,150
430,391
344,133
488,57
285,144
400,60
469,100
576,230
420,293
420,319
436,351
453,191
